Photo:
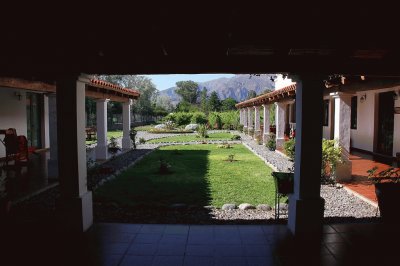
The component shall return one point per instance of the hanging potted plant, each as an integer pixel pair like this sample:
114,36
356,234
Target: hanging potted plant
387,190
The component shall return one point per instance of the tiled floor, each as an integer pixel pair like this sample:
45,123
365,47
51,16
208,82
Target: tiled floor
360,164
177,245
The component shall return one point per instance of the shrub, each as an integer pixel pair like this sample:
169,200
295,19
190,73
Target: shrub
202,131
240,128
142,141
199,118
132,135
289,147
271,143
214,120
236,137
230,119
169,125
180,118
331,156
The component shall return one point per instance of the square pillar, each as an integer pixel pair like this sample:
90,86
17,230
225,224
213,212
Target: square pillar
241,116
245,118
280,114
266,123
101,127
257,128
126,123
306,207
52,164
341,133
45,123
250,118
75,204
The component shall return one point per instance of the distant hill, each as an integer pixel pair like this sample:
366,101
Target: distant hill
236,87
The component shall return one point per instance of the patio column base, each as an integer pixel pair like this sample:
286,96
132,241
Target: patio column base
305,216
126,143
52,168
76,214
101,152
279,143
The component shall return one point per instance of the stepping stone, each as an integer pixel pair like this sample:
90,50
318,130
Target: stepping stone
264,207
246,206
228,206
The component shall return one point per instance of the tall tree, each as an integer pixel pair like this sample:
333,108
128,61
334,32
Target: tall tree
203,100
188,90
228,104
251,94
214,104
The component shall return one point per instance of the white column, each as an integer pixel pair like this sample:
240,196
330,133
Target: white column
52,163
342,130
257,127
280,114
45,123
266,123
306,207
245,118
241,116
75,204
101,127
250,118
126,123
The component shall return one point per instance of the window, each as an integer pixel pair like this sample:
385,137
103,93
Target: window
325,114
353,122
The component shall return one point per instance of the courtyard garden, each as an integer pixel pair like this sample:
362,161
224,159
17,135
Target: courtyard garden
193,175
191,138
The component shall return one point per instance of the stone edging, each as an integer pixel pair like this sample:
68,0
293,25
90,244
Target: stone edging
361,197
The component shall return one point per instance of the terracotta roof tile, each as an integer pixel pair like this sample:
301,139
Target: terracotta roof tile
108,85
268,97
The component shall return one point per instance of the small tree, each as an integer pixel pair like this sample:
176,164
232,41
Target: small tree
132,135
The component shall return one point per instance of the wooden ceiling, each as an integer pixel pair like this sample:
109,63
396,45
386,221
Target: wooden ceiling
170,37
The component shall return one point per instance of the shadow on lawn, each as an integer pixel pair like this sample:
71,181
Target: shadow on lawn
144,194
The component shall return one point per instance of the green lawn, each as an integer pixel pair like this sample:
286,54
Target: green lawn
187,138
115,134
201,176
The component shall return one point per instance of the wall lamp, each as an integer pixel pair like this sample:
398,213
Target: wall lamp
363,98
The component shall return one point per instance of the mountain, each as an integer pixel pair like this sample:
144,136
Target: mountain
236,87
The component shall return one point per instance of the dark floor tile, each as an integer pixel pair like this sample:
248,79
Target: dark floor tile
147,238
198,261
199,250
177,229
201,229
200,239
111,260
171,250
168,261
173,239
251,229
229,250
152,229
258,250
117,227
260,261
230,261
116,237
332,238
113,248
130,260
252,239
142,249
327,229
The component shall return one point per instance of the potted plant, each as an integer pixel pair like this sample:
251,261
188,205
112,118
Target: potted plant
387,190
271,143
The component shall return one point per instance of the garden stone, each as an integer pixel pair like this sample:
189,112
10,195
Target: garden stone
191,127
246,206
282,206
160,126
264,207
228,207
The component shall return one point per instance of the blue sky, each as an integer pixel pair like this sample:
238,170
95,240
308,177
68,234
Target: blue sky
163,82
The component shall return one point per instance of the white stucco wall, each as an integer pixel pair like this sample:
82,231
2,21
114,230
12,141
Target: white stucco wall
363,136
12,113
